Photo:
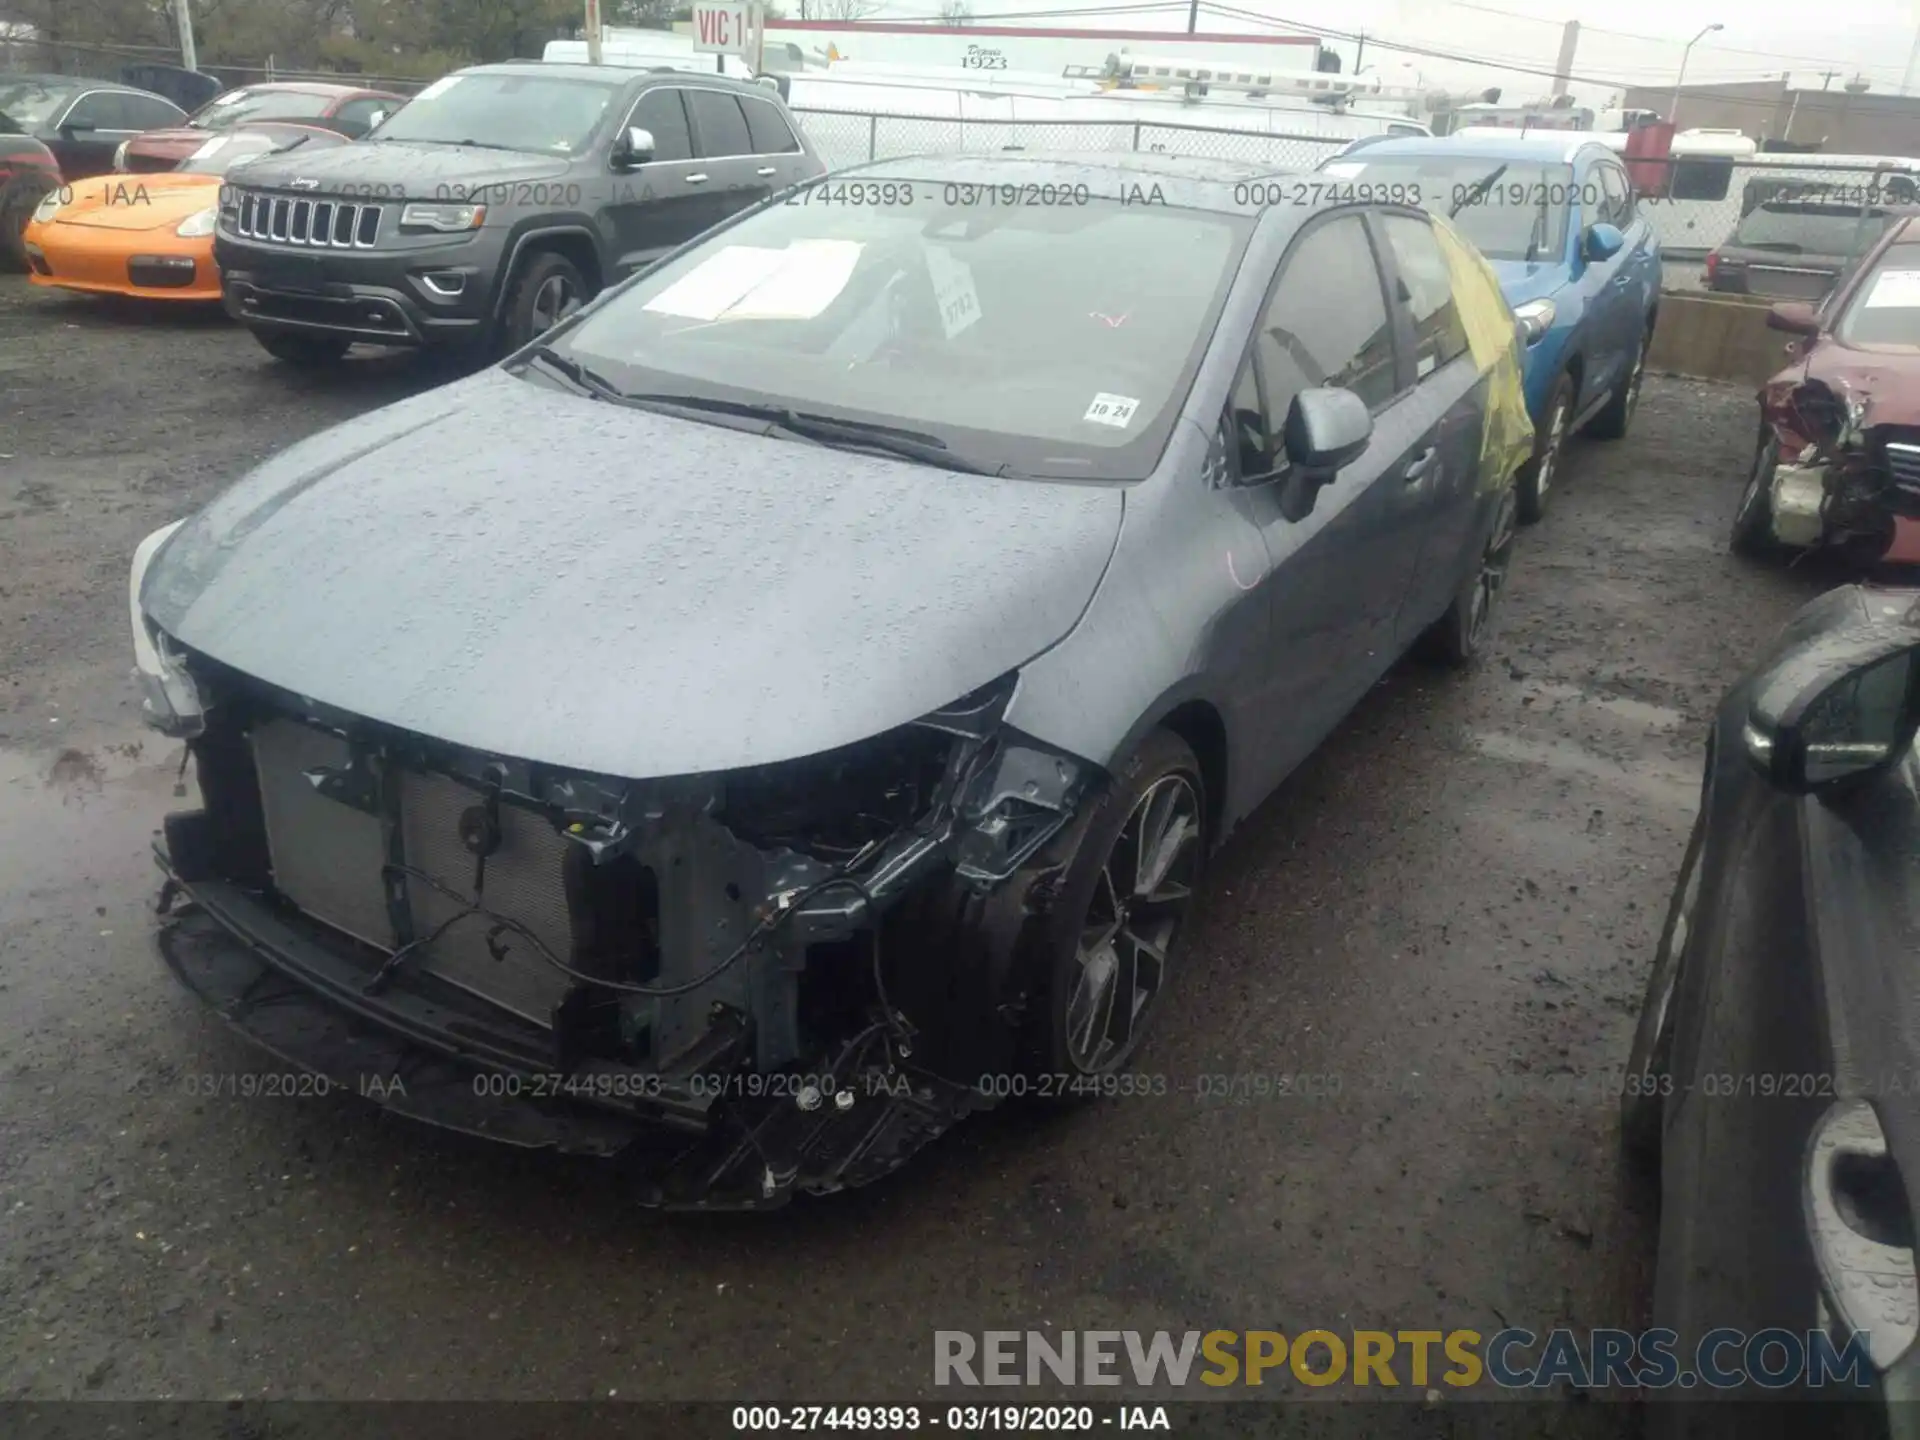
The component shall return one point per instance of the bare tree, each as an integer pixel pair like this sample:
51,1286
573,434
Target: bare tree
843,9
956,12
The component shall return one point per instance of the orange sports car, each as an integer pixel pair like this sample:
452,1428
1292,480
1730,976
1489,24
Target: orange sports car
150,236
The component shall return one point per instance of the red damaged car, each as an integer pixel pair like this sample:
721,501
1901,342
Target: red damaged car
347,109
1837,466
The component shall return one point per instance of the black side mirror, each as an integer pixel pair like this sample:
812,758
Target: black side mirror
1836,711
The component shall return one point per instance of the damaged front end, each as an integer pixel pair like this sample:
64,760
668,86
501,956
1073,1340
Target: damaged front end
787,977
1844,479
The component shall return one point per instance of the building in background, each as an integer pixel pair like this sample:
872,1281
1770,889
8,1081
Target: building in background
1781,116
1036,48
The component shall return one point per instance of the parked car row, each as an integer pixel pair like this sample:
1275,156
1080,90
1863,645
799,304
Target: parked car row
76,129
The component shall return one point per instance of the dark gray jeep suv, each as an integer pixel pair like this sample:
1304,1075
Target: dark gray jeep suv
496,202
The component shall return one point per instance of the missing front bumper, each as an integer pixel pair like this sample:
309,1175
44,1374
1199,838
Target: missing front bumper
409,1055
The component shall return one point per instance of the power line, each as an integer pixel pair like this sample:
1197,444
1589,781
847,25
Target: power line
1458,58
1799,61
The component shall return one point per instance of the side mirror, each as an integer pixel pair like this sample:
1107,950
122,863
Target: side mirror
1326,428
1795,317
1603,242
635,147
1836,711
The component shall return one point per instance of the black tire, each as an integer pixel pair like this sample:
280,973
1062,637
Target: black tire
1163,771
547,288
308,352
1752,534
1538,475
1462,635
1612,422
1643,1107
18,200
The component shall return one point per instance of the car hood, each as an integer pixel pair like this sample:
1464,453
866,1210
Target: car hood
138,202
416,167
1524,280
544,576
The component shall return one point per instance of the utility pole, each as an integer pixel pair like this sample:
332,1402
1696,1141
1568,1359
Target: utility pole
1359,52
1563,67
592,29
1193,15
1826,78
183,19
1680,80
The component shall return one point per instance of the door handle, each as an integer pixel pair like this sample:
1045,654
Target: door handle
699,179
765,170
1422,465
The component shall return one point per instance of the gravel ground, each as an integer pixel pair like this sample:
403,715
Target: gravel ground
1460,892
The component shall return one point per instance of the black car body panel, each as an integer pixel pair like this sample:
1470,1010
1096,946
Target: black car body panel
550,730
1795,996
84,121
386,286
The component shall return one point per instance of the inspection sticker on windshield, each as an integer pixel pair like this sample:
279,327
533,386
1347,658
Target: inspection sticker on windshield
1895,289
953,291
1114,410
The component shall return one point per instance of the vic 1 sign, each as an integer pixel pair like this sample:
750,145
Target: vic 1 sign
722,29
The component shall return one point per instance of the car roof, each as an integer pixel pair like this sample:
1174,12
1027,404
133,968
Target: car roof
301,87
614,74
1192,182
1548,148
78,82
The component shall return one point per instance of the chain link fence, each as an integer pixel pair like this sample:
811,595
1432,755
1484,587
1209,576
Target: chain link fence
1704,199
845,137
111,62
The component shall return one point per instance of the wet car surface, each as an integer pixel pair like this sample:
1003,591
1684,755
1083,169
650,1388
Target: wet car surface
1460,892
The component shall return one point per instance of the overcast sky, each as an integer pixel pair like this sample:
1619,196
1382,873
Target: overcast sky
1622,41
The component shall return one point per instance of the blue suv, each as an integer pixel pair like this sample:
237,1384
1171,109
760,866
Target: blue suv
1578,263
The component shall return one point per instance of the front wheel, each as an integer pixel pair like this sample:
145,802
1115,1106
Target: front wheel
1549,449
547,291
1136,863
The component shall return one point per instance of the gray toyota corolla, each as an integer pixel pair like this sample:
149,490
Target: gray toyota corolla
789,705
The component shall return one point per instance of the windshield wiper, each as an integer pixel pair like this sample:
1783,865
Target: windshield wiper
1479,188
578,375
825,429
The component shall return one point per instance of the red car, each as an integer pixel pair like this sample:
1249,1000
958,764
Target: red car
346,109
1837,466
28,170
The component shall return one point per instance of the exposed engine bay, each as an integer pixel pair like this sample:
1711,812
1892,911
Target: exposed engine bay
782,978
1842,480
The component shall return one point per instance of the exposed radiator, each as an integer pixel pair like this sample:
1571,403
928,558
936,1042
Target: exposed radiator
326,859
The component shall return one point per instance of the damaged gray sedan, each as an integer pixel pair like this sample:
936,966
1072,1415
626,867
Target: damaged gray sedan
799,693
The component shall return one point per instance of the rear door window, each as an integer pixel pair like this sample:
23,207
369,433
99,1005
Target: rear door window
1426,284
719,127
768,129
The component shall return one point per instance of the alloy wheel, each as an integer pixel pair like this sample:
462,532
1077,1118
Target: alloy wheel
1493,571
1140,899
1550,455
553,302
